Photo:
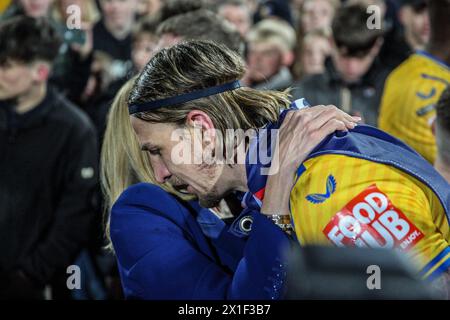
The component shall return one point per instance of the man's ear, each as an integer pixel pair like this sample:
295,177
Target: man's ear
199,120
288,58
41,72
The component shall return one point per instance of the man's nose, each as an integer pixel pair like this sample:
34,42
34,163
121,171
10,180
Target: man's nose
315,16
162,174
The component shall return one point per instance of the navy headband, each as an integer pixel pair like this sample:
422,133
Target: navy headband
182,98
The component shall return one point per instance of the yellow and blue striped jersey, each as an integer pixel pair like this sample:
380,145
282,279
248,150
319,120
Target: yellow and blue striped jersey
407,106
347,201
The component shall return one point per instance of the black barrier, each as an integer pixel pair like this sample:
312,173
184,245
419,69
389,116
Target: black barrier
353,273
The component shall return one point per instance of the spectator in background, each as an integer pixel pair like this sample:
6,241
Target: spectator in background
172,8
145,41
96,96
312,15
353,78
237,13
71,68
414,34
413,88
30,8
317,14
88,9
48,164
442,132
316,47
200,25
296,6
112,35
414,17
270,54
148,8
36,8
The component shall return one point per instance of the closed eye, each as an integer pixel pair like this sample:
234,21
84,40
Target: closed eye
154,152
151,150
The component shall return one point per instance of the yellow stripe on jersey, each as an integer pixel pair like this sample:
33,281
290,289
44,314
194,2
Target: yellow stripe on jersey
438,265
407,106
346,201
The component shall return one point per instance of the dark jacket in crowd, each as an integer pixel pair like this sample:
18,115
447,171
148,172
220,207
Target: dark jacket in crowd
48,179
361,98
395,50
71,73
118,50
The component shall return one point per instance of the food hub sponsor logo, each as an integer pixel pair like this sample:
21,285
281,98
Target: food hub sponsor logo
371,220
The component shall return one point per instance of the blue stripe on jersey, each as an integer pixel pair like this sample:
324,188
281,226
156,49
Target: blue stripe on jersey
436,260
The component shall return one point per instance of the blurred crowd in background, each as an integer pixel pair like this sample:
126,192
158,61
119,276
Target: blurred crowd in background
323,50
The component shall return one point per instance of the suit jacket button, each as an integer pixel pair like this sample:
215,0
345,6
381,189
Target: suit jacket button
246,224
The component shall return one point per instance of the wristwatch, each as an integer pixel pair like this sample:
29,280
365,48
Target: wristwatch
282,221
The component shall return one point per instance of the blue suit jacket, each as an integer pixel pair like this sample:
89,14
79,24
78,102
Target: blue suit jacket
170,249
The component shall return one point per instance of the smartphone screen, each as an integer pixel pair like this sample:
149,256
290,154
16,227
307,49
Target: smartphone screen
75,36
